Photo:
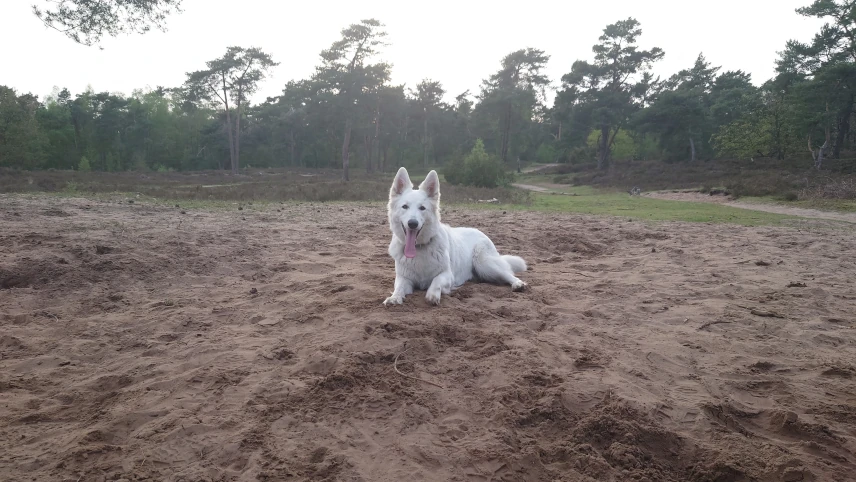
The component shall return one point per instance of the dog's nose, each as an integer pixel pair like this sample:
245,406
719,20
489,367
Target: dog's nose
413,224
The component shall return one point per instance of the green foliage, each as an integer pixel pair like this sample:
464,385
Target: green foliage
546,154
138,162
87,21
349,114
231,78
22,141
455,171
692,105
510,101
604,94
109,162
745,138
83,165
478,169
349,83
624,147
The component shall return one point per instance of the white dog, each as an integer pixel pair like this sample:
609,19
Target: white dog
430,255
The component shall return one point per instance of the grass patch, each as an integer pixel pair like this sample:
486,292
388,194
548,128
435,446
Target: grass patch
837,205
641,208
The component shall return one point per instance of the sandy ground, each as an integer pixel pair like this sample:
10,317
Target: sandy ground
139,343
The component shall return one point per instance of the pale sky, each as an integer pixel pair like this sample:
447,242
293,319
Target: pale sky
458,43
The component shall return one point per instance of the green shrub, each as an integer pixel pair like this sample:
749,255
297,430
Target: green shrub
138,162
84,165
455,171
546,154
478,169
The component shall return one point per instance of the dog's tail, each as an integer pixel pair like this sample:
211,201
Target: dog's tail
516,262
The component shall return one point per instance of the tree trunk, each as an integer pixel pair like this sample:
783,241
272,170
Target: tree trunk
383,164
817,154
818,161
777,136
603,148
376,139
692,150
821,151
229,127
425,140
406,125
367,145
237,134
293,161
346,147
506,134
843,127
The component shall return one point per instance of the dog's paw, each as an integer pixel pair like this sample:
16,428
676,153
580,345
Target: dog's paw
393,300
433,297
519,286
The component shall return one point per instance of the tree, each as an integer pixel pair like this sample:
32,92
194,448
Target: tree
515,93
55,121
235,77
347,75
828,61
22,141
608,89
392,122
87,21
428,95
680,115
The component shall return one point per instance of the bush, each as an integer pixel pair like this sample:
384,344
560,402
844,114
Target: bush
455,171
582,155
546,154
478,169
84,165
830,189
138,162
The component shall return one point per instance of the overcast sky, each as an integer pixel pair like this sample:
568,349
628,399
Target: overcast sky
456,42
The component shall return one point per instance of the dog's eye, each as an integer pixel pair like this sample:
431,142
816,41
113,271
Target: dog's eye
421,208
404,207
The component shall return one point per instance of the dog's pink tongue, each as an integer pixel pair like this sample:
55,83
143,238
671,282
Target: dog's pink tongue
410,243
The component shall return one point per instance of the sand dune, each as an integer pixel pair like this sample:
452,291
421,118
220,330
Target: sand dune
139,343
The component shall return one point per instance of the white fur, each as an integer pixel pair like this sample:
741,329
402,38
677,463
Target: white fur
446,257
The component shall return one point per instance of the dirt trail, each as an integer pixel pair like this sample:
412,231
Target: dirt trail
530,187
530,170
724,200
540,167
770,208
142,343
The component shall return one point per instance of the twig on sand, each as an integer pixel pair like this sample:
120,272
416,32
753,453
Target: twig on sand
585,275
757,312
714,322
395,367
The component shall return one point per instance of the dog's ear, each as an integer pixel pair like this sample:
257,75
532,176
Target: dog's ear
400,184
431,185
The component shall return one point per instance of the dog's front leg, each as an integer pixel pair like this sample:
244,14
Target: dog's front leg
442,283
403,287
